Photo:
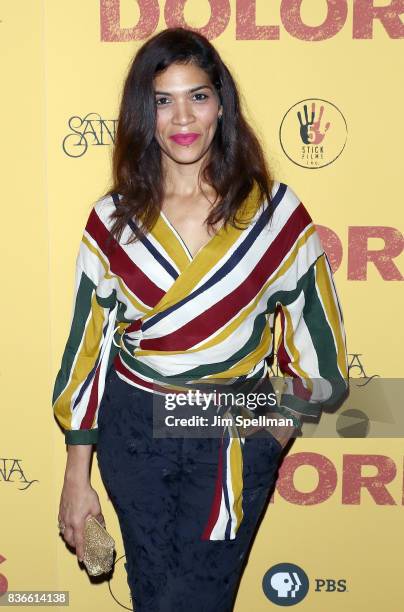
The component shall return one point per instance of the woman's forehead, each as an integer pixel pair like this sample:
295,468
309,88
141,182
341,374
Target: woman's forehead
182,76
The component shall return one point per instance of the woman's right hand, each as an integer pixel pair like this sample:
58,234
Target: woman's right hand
78,501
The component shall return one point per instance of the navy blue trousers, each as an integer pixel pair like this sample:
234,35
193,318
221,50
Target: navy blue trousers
162,490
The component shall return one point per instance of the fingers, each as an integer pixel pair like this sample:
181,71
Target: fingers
73,535
68,535
79,541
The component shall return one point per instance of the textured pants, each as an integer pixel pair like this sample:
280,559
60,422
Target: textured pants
162,490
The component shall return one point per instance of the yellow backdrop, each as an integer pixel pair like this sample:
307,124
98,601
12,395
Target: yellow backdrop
62,68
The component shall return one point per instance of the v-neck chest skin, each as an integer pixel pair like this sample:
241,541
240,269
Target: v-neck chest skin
170,244
175,214
181,240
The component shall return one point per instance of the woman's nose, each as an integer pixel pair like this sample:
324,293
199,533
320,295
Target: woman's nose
183,113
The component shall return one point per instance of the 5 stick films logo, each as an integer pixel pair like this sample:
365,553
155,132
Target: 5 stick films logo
287,584
313,133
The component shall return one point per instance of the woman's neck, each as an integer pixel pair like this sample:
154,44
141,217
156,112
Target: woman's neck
183,180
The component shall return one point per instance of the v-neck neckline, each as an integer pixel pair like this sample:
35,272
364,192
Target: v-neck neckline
192,271
182,241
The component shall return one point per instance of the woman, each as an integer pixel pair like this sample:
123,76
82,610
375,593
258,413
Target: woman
182,268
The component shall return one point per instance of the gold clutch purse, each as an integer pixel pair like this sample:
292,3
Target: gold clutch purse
98,548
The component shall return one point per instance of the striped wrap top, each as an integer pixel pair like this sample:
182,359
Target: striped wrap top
158,315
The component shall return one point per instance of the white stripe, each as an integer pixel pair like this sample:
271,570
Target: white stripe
328,321
218,291
104,351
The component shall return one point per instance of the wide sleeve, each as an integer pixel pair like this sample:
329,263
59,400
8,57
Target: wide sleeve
311,351
89,349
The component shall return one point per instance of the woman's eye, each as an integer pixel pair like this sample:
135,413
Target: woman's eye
160,100
202,94
163,101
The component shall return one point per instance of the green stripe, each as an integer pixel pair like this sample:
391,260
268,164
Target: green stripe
82,309
301,406
205,369
322,339
320,330
81,436
252,343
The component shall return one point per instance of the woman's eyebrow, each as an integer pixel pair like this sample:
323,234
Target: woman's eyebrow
167,93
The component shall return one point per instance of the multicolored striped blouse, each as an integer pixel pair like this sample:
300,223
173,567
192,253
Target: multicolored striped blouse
157,314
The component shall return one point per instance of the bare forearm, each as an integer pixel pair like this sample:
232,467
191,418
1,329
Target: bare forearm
78,463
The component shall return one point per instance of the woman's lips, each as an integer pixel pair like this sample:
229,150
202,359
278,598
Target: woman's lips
184,139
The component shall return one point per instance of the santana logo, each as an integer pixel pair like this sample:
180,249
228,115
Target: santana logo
11,471
354,365
313,138
88,130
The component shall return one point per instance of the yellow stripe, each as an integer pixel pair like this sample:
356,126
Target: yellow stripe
293,350
108,274
167,386
236,323
96,252
253,358
249,361
212,253
85,361
130,296
164,235
323,282
236,469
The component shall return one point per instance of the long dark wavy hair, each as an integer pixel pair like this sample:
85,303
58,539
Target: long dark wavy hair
236,161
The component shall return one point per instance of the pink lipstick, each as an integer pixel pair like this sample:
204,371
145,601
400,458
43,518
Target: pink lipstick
185,139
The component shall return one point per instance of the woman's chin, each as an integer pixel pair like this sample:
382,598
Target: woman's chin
187,156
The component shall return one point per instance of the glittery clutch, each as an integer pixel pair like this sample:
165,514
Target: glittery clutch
98,548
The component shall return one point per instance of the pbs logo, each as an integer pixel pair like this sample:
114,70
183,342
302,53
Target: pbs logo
285,584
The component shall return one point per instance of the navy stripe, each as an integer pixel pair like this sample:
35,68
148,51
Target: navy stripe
115,198
150,247
90,377
230,264
224,484
156,254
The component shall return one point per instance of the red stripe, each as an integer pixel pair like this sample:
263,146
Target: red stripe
134,326
209,321
88,419
120,366
215,508
284,361
122,265
299,390
282,355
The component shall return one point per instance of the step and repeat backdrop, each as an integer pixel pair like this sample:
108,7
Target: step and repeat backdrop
320,83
